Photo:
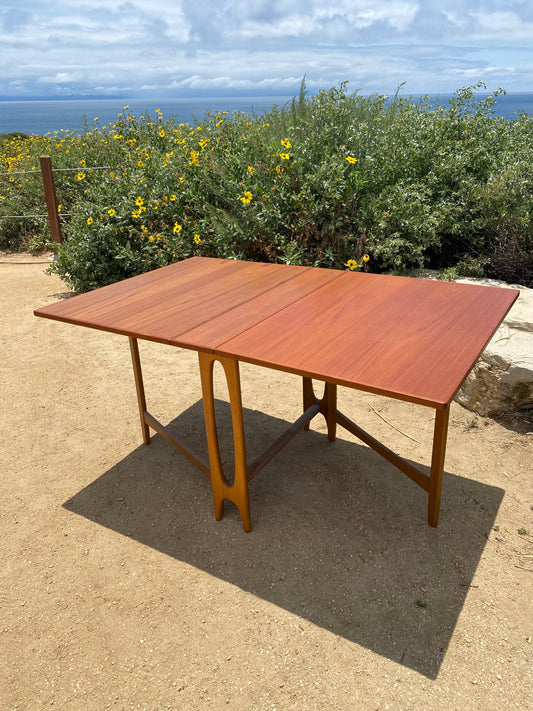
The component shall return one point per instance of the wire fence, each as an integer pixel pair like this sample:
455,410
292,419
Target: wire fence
63,170
40,172
27,217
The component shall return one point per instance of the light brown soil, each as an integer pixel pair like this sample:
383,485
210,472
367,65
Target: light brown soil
121,591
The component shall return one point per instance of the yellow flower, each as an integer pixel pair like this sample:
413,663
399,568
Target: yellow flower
111,212
177,228
366,258
194,158
351,264
197,239
89,220
151,238
139,201
351,159
284,156
144,228
172,198
286,143
162,133
219,123
83,163
140,164
250,170
278,169
247,198
80,176
203,143
59,208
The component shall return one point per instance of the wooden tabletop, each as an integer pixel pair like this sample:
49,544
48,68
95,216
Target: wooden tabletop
414,339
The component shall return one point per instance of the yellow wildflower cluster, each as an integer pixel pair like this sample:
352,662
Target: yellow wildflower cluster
352,263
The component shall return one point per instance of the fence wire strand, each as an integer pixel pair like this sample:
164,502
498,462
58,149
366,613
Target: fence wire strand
64,170
56,170
25,217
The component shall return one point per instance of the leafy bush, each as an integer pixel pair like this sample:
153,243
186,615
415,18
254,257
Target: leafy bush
319,181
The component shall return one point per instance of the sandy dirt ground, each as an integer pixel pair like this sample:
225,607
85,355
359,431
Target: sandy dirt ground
119,589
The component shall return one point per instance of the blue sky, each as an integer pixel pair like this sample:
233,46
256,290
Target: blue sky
168,48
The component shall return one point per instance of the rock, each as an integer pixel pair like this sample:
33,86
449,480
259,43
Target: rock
502,379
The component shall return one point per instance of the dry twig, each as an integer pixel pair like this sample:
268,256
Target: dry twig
393,426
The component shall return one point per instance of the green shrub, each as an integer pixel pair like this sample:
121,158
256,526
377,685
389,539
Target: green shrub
321,180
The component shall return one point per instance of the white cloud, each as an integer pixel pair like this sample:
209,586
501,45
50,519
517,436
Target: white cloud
503,25
254,45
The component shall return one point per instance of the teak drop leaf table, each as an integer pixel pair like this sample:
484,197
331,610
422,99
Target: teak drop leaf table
411,339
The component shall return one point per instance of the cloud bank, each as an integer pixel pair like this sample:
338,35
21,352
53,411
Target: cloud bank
187,47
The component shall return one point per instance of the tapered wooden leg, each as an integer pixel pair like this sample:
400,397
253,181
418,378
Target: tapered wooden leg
440,434
330,401
308,395
141,399
238,490
328,404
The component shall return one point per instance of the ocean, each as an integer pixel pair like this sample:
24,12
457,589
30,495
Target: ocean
41,117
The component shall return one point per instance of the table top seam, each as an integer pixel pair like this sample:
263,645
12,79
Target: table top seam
174,340
216,348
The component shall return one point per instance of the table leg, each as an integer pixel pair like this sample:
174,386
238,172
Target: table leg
222,489
141,399
440,434
328,404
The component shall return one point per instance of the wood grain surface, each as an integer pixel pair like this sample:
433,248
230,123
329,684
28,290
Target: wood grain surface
162,304
414,339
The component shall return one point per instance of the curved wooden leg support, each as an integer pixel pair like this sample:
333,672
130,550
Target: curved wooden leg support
328,404
440,434
238,491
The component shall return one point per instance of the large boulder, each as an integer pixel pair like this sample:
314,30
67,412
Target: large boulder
502,379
